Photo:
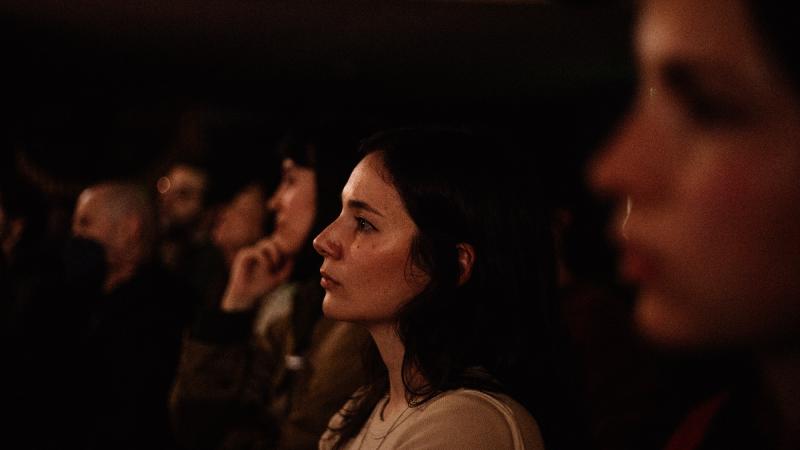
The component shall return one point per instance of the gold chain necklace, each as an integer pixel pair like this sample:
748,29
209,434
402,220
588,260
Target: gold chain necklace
397,422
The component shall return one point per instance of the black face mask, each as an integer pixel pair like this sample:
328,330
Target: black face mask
85,265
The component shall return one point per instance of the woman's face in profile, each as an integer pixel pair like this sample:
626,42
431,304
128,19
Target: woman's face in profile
710,159
295,205
367,273
240,222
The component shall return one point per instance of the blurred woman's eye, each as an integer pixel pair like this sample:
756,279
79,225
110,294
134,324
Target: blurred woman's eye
363,225
709,107
715,112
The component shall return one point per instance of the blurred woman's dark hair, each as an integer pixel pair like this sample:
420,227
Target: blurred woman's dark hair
496,332
238,151
331,152
779,28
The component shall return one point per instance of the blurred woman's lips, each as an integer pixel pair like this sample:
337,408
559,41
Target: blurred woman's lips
638,265
638,262
326,281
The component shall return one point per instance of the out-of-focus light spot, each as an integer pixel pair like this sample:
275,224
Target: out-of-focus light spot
163,185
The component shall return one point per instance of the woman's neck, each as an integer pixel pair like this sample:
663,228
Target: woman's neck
392,351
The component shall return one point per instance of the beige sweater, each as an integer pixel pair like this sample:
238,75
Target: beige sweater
460,419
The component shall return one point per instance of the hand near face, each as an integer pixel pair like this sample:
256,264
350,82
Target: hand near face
256,271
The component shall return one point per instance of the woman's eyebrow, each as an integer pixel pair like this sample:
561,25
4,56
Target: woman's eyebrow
360,204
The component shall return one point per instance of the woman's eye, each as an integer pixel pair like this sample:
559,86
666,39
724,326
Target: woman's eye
363,225
714,112
707,106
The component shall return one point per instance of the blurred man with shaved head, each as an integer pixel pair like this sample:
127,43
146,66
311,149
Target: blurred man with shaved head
121,218
133,326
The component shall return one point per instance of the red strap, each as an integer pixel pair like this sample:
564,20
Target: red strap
691,432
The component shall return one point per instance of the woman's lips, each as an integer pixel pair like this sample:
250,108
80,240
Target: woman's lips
327,282
638,265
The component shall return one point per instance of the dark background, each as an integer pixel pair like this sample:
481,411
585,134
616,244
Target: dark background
95,88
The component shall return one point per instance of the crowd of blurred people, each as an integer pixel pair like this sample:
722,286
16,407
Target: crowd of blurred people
342,286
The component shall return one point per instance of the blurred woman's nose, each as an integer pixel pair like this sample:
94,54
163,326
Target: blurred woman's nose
272,202
630,165
326,245
607,172
275,201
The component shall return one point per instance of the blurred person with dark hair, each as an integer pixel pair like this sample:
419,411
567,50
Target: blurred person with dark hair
262,368
212,200
241,221
23,218
29,269
182,210
705,173
185,216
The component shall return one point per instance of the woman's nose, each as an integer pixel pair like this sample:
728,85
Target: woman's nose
272,201
326,245
630,164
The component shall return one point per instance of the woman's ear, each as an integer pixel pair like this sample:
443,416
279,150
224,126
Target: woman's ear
466,259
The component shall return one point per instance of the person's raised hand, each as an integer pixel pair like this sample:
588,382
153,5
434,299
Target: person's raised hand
256,271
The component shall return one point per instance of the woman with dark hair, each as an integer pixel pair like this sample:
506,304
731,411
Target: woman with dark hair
264,369
439,255
706,172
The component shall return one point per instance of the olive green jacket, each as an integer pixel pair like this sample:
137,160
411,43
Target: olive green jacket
255,389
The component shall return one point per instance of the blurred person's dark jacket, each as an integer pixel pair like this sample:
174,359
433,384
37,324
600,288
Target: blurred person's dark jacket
93,370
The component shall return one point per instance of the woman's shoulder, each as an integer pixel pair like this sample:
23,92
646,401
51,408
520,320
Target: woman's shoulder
475,419
499,407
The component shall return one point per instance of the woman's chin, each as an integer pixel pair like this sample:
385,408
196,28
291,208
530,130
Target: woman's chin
659,320
331,309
